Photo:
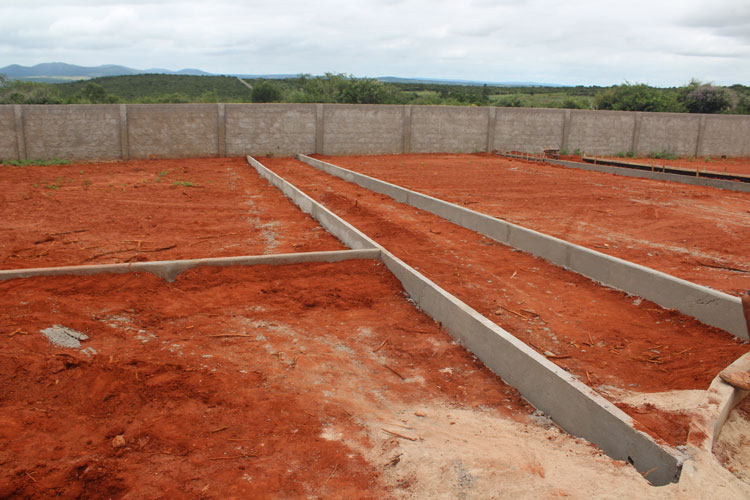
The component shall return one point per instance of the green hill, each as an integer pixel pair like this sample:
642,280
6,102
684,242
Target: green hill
165,88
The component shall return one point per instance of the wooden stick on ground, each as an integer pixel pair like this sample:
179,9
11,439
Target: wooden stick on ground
394,371
399,435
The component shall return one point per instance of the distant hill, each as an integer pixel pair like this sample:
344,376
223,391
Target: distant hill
58,72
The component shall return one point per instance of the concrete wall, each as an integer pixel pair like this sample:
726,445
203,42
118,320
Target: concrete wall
657,133
362,129
601,132
124,131
725,135
8,143
529,130
172,130
75,133
278,129
448,129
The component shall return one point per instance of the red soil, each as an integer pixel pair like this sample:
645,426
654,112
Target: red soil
98,213
696,233
224,384
600,335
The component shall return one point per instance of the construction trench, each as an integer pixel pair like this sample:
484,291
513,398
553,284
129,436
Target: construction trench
451,263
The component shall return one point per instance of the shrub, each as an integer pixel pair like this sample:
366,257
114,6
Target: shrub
662,155
706,98
18,92
636,97
266,91
511,101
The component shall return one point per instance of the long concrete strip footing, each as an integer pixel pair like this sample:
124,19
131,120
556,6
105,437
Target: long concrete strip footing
170,269
742,187
571,404
705,304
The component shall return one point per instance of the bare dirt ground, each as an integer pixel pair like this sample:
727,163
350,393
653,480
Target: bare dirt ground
617,344
100,213
696,233
322,382
303,381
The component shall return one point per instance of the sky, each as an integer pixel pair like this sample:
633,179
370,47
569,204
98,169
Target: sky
574,42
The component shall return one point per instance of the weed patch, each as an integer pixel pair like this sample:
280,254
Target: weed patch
43,163
662,155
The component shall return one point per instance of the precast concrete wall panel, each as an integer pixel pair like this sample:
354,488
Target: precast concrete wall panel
105,132
261,129
726,135
173,130
676,133
601,132
85,132
450,129
362,129
528,130
8,142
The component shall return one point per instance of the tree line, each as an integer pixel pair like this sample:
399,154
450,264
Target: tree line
694,97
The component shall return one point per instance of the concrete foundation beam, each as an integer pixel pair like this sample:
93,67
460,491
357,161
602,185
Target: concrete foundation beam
170,269
742,187
335,225
705,304
571,404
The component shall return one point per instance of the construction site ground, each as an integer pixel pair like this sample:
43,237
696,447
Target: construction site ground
306,380
103,213
700,234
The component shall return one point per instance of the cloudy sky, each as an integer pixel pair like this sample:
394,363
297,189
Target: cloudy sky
587,42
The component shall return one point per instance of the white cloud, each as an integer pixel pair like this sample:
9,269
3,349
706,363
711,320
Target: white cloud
575,42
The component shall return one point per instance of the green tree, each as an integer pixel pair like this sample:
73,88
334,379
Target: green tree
365,91
700,97
209,96
636,97
266,91
93,93
18,92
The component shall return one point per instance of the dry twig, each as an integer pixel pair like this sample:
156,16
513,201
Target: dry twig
399,435
394,371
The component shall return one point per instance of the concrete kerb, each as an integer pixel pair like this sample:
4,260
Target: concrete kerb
658,176
170,269
571,404
341,229
705,304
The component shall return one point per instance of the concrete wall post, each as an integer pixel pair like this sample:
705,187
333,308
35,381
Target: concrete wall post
406,146
124,132
20,138
638,117
319,127
491,125
701,133
565,131
221,127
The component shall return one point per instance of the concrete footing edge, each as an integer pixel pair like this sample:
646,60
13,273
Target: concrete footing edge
170,269
571,404
705,304
658,176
